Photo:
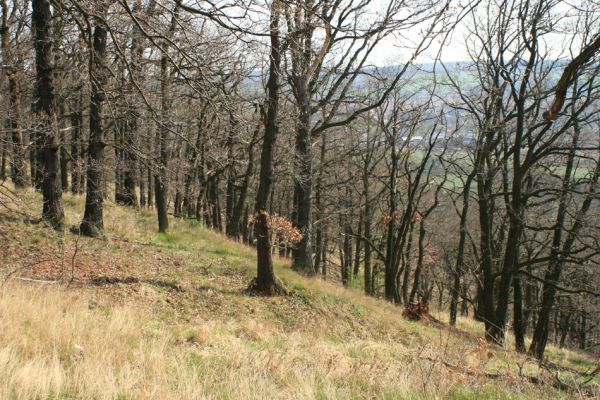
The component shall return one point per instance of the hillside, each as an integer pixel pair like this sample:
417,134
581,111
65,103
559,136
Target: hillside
147,316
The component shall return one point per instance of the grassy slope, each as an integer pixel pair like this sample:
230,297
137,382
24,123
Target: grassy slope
152,316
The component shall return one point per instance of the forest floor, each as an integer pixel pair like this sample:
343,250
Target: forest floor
148,316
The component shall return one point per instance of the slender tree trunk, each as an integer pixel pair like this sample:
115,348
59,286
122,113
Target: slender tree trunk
18,171
303,180
119,129
319,207
368,270
64,154
357,250
76,140
518,321
266,282
564,328
142,188
240,203
407,264
4,156
390,288
150,195
420,257
160,179
346,254
462,240
583,332
230,179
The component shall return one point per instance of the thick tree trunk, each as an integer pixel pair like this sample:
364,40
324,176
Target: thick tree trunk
93,219
46,115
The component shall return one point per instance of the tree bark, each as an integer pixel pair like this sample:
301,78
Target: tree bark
303,180
19,171
52,210
265,281
518,321
93,217
160,178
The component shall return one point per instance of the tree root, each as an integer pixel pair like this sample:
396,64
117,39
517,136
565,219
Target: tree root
277,289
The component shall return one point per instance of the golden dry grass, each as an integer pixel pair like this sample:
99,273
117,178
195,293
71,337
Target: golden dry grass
166,317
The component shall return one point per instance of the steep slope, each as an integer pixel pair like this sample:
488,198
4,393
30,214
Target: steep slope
147,316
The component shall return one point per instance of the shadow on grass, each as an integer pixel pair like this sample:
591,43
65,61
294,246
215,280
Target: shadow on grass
107,280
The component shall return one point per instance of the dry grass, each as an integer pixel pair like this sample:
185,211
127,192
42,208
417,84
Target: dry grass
166,317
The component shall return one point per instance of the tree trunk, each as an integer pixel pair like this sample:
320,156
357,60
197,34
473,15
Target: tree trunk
93,221
142,188
266,282
160,178
76,117
240,203
407,264
319,208
347,254
46,115
150,195
518,321
462,240
357,242
63,154
303,181
19,171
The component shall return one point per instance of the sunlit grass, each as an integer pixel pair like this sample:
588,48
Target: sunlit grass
186,329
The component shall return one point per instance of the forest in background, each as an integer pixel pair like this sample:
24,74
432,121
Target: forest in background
471,185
